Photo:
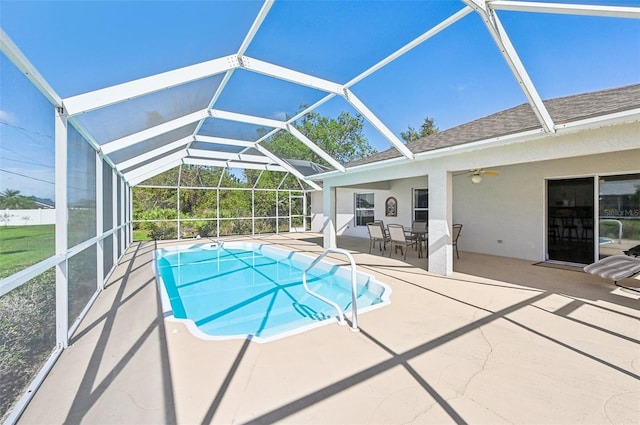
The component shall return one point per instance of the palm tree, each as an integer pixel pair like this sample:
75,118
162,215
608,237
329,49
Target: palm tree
11,199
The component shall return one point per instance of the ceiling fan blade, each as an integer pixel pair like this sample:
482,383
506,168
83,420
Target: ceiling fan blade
490,172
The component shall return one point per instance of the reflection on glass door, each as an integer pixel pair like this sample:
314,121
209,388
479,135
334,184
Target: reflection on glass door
619,211
570,220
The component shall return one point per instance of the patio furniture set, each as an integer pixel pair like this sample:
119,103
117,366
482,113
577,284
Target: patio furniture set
397,236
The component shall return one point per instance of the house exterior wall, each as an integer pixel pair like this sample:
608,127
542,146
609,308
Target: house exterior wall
399,189
511,207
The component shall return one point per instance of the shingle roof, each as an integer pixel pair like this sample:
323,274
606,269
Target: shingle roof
521,118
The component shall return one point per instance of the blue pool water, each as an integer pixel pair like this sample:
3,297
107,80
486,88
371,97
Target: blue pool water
244,290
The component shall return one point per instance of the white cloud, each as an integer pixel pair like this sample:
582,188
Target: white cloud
7,117
280,116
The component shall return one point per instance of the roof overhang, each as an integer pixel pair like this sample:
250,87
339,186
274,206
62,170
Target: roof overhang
618,118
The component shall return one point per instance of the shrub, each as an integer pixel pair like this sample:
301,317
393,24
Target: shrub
27,335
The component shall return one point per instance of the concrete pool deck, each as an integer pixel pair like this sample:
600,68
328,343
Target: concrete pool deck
499,341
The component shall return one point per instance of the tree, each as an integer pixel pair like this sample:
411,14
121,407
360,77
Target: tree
11,199
341,137
427,128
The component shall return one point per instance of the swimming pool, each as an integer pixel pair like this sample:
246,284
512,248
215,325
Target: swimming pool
249,290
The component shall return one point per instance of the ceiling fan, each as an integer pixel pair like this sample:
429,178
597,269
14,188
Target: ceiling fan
476,175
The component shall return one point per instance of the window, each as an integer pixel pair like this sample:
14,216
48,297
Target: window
420,204
364,208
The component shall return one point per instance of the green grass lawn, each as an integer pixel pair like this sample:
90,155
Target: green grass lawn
140,235
23,246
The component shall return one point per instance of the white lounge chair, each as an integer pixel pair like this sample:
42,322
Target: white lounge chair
616,267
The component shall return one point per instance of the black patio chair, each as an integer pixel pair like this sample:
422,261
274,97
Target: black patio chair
455,234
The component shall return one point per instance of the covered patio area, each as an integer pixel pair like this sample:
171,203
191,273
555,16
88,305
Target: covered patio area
501,340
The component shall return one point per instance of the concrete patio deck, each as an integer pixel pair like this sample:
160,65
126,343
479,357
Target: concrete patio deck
501,341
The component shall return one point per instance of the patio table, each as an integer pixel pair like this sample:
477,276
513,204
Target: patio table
421,235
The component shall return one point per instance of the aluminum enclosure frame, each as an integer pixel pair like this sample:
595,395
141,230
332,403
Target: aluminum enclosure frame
486,9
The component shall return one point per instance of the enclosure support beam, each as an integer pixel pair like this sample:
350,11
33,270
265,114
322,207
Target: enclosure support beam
28,70
108,96
158,169
122,215
509,53
228,156
286,74
569,9
133,181
218,207
61,231
224,141
114,210
329,213
262,14
278,211
130,217
286,166
137,160
154,166
231,164
298,135
149,133
266,6
440,220
375,121
99,224
253,211
178,201
304,210
234,116
416,42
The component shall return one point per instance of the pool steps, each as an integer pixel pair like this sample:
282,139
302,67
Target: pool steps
354,306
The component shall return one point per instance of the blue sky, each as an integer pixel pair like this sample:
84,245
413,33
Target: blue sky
455,77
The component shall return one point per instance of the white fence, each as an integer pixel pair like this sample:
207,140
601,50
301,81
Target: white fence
27,217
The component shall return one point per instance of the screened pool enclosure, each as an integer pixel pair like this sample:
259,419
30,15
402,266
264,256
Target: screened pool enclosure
201,201
101,148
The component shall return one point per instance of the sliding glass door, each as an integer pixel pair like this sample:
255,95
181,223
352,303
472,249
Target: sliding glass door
619,212
570,220
575,234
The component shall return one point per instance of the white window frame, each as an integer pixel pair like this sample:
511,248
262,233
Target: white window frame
357,209
414,208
